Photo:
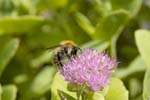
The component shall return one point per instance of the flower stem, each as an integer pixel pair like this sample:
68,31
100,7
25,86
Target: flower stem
81,92
78,96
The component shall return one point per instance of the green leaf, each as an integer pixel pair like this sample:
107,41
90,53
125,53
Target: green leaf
137,65
64,95
84,23
146,86
116,91
55,4
23,7
102,46
44,58
1,90
96,44
7,53
20,24
105,7
90,44
9,92
134,87
45,4
61,84
21,78
142,38
111,25
41,83
132,6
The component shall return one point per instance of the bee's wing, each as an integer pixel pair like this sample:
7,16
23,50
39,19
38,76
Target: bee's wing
53,47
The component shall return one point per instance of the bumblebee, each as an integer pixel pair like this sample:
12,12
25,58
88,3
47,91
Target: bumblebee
63,52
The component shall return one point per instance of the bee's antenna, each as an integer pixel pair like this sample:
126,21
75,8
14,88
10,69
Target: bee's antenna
53,47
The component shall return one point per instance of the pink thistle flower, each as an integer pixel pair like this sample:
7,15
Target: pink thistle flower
90,67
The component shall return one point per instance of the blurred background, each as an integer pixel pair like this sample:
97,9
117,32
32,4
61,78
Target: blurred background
28,27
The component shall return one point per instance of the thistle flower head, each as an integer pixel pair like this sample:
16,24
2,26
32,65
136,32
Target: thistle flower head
90,67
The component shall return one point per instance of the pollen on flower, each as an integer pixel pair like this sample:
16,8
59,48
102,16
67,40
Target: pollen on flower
90,67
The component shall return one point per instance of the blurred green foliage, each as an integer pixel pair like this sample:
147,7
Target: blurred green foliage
28,27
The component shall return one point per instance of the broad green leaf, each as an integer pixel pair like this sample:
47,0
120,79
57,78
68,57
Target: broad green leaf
117,90
7,53
41,83
84,23
61,84
1,90
142,38
132,6
20,24
137,65
9,92
146,86
111,25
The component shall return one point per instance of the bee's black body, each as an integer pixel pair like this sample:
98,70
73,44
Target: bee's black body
65,52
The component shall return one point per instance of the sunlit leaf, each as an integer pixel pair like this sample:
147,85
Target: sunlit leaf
116,91
9,92
142,38
96,96
61,84
137,65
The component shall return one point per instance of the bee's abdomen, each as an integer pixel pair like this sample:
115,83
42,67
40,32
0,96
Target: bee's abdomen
64,54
